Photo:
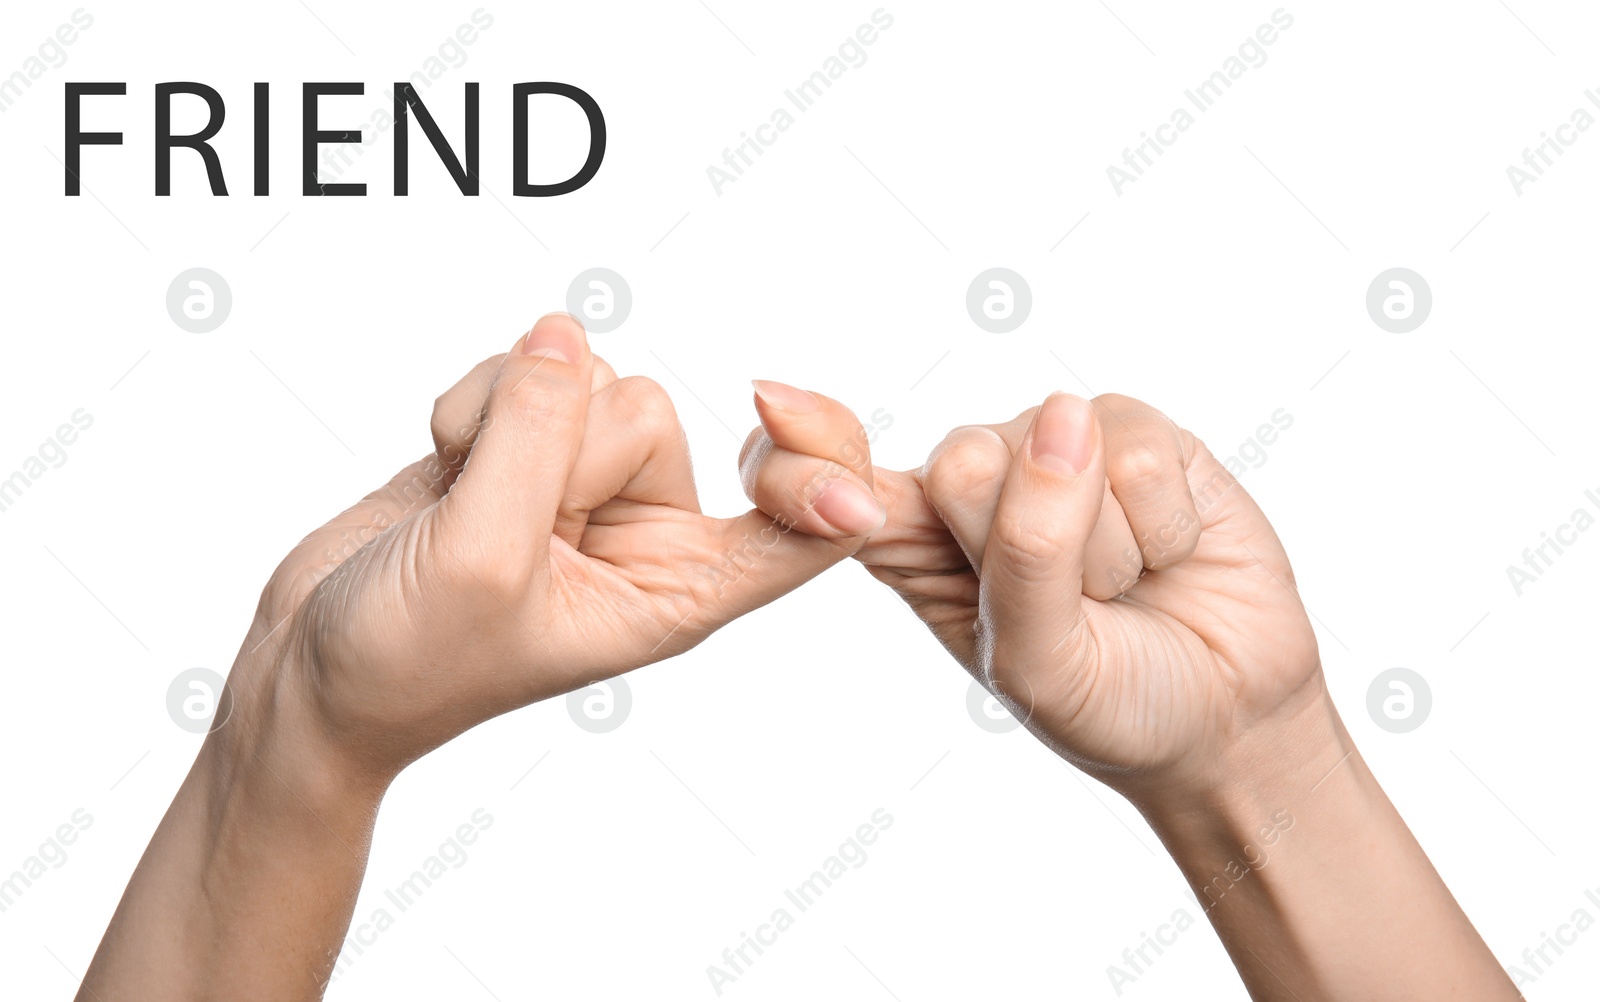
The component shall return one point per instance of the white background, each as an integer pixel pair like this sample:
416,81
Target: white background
1226,283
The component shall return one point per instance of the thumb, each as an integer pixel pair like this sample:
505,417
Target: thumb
1031,595
516,474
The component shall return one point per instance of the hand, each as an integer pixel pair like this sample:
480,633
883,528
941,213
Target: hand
554,539
1102,572
1105,574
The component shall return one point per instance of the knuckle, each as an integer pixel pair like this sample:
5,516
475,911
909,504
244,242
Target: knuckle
442,422
1169,545
280,596
647,402
642,393
964,469
1138,467
456,407
1027,547
1118,403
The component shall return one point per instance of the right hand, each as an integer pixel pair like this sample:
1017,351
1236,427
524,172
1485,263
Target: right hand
1101,571
555,539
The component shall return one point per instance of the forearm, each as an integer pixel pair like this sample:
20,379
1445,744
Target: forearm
248,885
1312,879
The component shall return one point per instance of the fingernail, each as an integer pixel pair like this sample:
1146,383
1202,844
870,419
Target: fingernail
850,508
785,397
555,335
1063,435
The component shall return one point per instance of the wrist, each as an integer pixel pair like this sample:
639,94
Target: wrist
275,751
1292,763
249,882
1310,876
1291,790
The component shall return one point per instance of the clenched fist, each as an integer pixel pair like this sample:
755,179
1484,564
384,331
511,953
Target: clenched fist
1102,572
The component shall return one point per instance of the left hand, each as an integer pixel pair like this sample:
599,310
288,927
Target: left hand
554,539
1035,578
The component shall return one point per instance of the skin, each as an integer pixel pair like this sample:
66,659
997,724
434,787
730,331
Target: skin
553,539
1104,574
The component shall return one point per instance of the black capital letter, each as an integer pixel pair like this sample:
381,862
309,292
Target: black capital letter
165,140
405,96
76,138
519,139
263,138
310,136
